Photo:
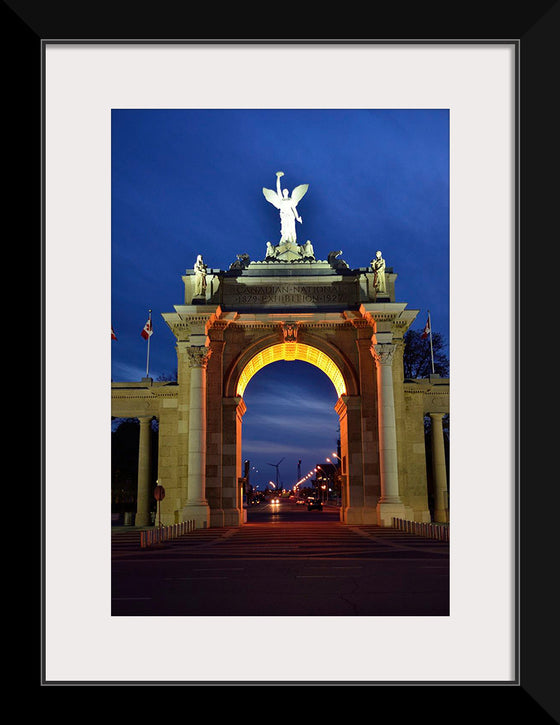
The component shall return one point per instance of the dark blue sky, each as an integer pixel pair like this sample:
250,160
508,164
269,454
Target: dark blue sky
188,182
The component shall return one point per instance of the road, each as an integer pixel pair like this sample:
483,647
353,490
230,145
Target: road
286,561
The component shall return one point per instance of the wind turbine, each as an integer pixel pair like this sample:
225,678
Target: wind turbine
276,466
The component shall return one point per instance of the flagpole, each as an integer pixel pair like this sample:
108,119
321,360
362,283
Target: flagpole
431,346
148,350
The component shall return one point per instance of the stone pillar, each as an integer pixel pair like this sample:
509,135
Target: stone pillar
349,408
196,508
233,411
144,465
214,424
441,504
389,504
369,423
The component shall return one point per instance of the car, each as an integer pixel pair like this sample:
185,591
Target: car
301,502
275,500
314,504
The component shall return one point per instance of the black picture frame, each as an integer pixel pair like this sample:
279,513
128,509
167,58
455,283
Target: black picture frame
27,26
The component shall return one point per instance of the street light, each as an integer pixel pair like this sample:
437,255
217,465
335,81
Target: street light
339,474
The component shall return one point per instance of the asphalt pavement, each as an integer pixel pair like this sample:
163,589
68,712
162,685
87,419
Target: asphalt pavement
285,561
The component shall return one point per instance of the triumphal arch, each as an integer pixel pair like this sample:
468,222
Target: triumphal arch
289,305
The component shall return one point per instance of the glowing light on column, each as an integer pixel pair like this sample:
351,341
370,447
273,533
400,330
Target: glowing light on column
292,351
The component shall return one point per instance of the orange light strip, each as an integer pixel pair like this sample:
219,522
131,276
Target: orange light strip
292,351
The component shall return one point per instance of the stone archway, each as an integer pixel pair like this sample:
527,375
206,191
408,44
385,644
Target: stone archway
290,350
230,345
253,346
321,312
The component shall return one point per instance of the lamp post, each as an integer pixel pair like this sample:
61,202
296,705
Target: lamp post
317,479
338,476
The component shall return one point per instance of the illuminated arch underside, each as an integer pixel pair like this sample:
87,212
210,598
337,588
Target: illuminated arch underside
292,351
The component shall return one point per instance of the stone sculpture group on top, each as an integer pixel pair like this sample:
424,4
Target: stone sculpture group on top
288,249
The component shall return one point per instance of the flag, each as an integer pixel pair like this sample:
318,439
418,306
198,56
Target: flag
147,331
427,329
113,336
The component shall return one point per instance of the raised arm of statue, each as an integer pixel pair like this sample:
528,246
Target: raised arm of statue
278,187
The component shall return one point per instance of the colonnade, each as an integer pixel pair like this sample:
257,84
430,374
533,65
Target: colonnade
389,504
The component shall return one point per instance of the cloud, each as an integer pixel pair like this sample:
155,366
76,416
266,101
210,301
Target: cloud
123,371
293,424
272,449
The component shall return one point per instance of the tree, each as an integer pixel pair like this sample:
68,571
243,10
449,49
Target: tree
417,357
125,435
167,377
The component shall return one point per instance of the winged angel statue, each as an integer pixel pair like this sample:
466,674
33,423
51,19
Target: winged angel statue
287,205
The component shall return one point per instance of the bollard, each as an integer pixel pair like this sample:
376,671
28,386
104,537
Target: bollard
420,528
166,533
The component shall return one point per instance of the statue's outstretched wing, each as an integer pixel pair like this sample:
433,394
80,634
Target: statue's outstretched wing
299,192
272,197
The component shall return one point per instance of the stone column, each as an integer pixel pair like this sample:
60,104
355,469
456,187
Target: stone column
369,423
389,504
441,504
144,465
214,421
197,508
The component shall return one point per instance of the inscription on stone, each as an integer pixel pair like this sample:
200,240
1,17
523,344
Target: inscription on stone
290,294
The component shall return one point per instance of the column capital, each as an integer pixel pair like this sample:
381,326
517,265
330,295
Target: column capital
198,356
383,353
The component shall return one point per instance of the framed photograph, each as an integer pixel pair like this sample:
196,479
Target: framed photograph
477,82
